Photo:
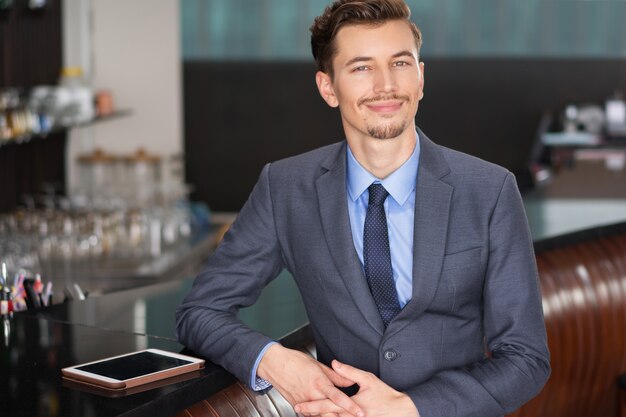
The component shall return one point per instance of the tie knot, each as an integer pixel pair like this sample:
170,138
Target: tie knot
378,194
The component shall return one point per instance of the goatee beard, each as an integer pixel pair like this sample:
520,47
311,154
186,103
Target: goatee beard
386,132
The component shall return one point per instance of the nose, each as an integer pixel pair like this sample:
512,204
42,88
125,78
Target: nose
385,81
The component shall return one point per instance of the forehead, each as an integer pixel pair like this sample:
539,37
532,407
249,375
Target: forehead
375,41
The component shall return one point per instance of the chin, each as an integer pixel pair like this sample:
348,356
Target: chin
386,132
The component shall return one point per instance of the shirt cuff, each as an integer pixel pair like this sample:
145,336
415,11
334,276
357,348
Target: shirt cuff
256,382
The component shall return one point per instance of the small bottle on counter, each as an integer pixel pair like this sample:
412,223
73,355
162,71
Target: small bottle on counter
6,304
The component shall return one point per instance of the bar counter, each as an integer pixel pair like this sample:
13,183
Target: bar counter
36,344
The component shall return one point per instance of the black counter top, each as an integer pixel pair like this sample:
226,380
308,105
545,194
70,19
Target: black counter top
41,342
36,349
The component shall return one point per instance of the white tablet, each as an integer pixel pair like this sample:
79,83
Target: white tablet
133,369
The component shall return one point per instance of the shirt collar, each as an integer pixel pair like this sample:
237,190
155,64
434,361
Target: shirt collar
399,184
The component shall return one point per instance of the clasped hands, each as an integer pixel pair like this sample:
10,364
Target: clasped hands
311,387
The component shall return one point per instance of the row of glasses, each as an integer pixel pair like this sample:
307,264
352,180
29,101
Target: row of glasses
71,237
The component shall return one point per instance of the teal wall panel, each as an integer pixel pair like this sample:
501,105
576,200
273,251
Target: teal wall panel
278,29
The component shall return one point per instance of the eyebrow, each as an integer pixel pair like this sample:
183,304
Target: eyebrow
367,58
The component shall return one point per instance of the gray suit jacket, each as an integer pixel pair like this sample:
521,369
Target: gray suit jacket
475,286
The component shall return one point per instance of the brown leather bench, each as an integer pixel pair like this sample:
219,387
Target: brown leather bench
583,282
584,300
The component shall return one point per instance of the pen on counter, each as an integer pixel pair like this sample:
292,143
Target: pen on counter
18,286
32,298
3,276
6,304
5,295
79,292
47,295
38,287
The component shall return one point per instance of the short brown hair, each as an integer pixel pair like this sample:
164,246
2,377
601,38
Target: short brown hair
354,12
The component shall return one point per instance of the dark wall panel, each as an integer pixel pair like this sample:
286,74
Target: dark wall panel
30,44
241,115
26,168
30,55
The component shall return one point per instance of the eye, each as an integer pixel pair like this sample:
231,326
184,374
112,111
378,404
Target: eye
401,64
361,68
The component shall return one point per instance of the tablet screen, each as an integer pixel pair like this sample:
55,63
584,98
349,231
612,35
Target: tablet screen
132,366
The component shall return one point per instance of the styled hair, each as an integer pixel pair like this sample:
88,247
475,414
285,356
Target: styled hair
354,12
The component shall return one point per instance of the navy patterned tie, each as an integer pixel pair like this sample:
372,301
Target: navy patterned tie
377,256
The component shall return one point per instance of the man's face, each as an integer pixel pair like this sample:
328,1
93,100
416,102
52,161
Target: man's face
377,82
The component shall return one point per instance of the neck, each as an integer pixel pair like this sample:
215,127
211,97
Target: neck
381,157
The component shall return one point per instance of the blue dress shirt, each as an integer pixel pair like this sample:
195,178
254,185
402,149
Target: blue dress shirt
400,211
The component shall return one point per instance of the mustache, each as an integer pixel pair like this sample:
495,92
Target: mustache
367,100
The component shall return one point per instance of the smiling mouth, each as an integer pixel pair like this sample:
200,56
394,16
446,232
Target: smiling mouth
384,106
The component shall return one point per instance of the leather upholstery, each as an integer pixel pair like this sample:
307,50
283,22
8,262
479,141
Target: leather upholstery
584,301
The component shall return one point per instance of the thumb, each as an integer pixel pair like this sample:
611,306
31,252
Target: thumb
350,372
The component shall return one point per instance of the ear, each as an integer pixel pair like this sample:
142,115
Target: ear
421,66
325,87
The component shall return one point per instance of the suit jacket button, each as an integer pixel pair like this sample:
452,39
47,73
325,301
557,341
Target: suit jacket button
390,355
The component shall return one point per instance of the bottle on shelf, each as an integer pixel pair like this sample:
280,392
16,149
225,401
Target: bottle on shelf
18,119
74,98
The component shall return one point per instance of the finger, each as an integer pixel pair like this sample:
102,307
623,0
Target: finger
318,407
350,372
337,379
340,399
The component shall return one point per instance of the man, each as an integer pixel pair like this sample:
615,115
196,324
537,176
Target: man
414,261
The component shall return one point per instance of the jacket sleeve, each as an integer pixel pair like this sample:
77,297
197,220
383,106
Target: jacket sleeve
515,335
248,258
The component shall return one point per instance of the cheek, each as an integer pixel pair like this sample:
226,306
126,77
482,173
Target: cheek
350,93
417,95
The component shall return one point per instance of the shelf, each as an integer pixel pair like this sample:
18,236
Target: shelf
115,115
29,138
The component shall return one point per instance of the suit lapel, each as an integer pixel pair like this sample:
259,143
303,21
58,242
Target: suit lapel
331,196
432,209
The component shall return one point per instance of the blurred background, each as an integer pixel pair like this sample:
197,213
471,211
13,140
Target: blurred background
494,69
128,127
